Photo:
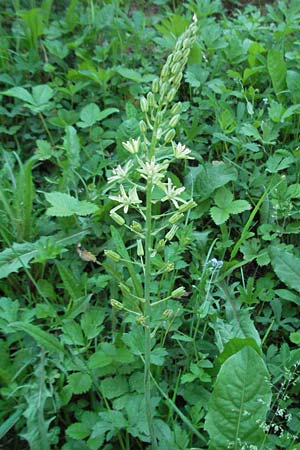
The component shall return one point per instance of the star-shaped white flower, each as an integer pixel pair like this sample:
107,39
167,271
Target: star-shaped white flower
125,200
181,151
173,194
152,171
120,173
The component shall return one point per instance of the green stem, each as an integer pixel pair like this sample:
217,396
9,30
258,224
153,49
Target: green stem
46,128
147,312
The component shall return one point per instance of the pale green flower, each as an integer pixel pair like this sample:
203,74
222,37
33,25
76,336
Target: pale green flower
125,200
173,194
120,173
181,151
152,171
132,146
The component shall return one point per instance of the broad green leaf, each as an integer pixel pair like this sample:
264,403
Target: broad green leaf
277,70
113,387
89,115
210,177
65,205
44,339
239,402
286,267
80,382
42,94
107,112
78,431
20,93
235,345
130,74
223,198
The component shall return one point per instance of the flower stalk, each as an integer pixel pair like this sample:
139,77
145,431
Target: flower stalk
133,188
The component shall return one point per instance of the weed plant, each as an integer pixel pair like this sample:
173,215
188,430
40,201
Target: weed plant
149,259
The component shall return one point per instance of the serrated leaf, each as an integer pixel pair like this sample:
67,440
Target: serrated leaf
113,387
286,267
218,215
78,431
72,334
19,255
91,322
239,206
239,402
65,205
223,197
80,382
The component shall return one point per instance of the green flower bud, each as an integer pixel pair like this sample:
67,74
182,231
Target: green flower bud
144,104
186,43
161,245
175,68
177,56
140,248
168,267
136,226
115,304
155,85
171,94
169,136
177,80
175,217
164,71
176,108
143,126
164,88
124,288
150,99
179,292
171,233
159,133
174,120
114,256
186,206
117,218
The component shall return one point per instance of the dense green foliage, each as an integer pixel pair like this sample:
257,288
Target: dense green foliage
225,355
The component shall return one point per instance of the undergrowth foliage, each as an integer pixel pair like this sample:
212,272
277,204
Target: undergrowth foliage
149,259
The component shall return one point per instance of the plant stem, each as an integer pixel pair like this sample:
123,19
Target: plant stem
46,128
147,312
